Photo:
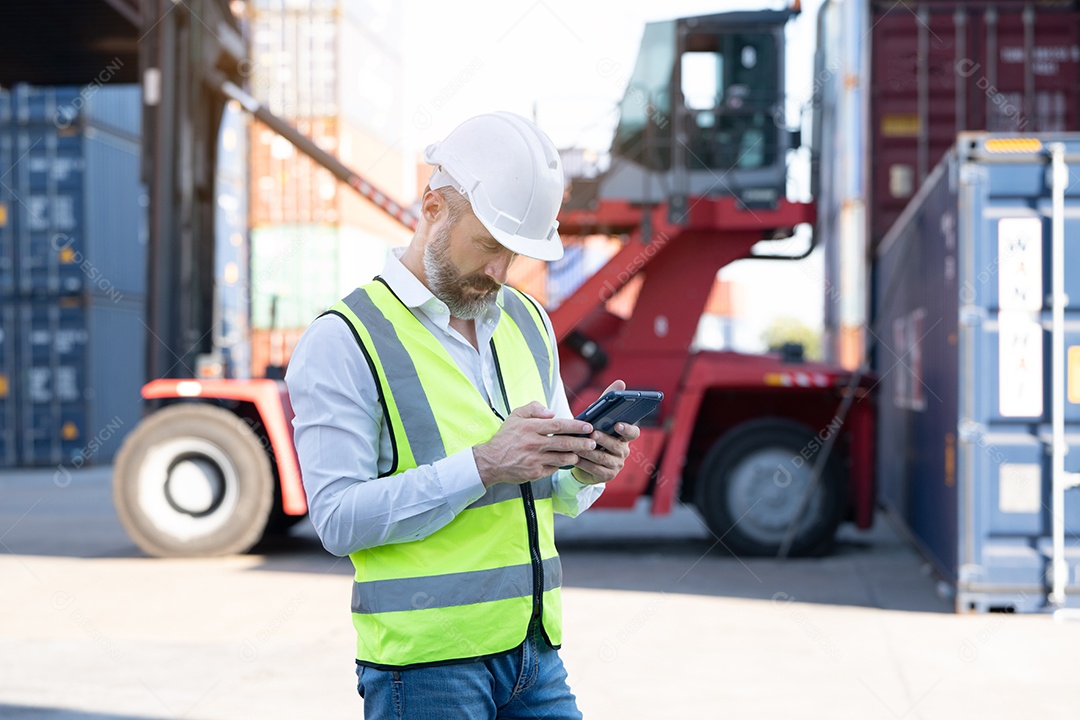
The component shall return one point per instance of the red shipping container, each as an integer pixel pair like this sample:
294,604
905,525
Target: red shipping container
941,67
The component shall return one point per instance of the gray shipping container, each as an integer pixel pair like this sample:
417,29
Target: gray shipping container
979,394
75,381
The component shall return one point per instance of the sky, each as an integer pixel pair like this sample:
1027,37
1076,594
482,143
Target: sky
566,63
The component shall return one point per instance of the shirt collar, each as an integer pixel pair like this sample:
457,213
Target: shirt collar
415,294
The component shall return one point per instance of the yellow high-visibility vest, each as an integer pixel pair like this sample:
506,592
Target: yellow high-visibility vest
470,589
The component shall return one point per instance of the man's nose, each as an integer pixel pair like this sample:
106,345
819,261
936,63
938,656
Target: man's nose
499,268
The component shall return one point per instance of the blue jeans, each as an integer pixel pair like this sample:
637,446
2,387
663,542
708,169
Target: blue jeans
528,682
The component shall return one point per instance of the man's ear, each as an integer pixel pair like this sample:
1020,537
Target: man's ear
431,206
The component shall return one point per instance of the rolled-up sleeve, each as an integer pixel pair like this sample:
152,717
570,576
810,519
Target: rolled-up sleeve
570,497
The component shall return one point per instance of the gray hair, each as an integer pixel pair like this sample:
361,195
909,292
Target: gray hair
456,204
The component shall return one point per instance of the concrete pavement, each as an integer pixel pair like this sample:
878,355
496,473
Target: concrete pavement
660,623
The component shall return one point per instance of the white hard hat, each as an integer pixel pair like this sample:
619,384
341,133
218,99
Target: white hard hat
510,172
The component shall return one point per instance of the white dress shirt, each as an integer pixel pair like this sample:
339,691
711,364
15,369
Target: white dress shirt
343,444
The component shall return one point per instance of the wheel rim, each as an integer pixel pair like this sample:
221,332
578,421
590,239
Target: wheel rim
764,490
194,485
188,488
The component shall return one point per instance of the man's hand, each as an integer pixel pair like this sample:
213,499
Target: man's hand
605,462
528,446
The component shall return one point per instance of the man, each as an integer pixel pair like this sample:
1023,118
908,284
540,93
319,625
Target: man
431,425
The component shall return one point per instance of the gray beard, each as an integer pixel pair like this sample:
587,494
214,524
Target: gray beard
445,282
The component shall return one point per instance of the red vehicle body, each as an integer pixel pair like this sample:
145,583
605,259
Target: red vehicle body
708,394
773,451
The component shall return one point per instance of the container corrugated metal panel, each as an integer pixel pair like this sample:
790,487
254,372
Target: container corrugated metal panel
945,66
8,414
76,209
114,400
116,230
231,257
115,107
305,269
964,427
80,368
79,215
7,221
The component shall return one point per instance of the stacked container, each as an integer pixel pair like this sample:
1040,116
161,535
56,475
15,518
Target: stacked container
894,83
72,272
331,68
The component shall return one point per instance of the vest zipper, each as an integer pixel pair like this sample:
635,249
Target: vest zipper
530,511
534,549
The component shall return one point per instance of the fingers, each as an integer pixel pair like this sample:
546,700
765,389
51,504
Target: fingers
538,419
569,444
617,385
555,461
538,444
562,426
533,410
610,454
627,432
601,473
603,459
535,435
615,444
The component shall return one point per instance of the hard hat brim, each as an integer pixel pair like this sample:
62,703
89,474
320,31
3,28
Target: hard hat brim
548,249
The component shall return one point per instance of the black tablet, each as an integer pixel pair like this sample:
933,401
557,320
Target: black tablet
627,406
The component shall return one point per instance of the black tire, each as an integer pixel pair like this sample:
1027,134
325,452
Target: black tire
193,480
752,481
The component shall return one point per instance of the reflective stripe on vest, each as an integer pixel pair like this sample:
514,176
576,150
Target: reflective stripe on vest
411,402
453,589
527,319
466,590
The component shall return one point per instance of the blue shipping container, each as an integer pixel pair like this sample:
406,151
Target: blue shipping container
78,212
7,224
72,209
80,367
7,375
113,107
973,361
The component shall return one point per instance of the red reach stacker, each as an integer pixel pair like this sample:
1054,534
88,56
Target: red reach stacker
774,451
